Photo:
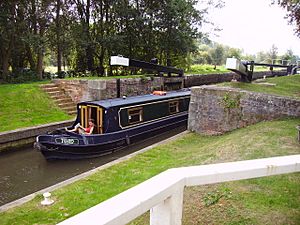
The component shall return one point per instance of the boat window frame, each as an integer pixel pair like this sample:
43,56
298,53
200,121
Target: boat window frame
86,114
83,115
140,113
176,107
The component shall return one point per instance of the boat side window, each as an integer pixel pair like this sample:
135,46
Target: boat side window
174,107
135,115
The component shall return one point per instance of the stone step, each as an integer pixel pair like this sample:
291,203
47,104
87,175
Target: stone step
72,112
63,99
56,94
60,98
51,89
68,108
48,85
67,104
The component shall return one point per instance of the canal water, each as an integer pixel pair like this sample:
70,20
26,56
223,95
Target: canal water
26,171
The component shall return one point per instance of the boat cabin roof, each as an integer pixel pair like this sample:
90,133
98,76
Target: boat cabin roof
134,100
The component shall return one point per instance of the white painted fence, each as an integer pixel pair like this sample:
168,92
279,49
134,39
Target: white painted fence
163,194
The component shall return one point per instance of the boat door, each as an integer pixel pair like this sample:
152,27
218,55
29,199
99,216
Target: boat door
92,112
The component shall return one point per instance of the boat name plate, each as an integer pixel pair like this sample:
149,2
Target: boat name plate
67,141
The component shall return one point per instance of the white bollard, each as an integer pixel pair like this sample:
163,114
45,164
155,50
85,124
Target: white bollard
47,200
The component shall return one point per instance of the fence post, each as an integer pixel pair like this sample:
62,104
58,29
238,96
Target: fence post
168,212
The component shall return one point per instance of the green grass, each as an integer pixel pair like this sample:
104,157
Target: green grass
194,69
285,86
206,69
253,201
25,105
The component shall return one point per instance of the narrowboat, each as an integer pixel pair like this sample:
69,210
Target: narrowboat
117,123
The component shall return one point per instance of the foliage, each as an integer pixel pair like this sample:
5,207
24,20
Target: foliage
213,197
272,54
214,53
217,54
230,102
84,34
293,12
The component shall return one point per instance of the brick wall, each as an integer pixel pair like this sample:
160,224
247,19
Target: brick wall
215,110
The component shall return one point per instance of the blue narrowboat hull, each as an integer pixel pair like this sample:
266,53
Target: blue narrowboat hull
69,145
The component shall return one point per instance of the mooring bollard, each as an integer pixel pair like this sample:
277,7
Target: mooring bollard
47,200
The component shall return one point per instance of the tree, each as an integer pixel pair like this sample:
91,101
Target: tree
217,54
7,33
234,52
85,33
272,53
289,56
293,12
262,57
58,34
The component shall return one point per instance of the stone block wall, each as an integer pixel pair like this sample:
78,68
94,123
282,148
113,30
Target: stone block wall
216,110
201,79
90,90
76,89
14,139
139,86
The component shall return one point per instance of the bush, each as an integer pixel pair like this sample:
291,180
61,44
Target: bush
26,75
61,74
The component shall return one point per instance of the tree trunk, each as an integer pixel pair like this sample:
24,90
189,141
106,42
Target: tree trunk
89,49
5,65
30,58
40,55
39,69
58,38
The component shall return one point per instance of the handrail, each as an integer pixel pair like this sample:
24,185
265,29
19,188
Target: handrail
163,194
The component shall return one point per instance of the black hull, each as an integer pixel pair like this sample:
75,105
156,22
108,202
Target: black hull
98,145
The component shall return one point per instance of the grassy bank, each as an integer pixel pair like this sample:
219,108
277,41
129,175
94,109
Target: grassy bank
206,69
285,86
25,105
254,201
